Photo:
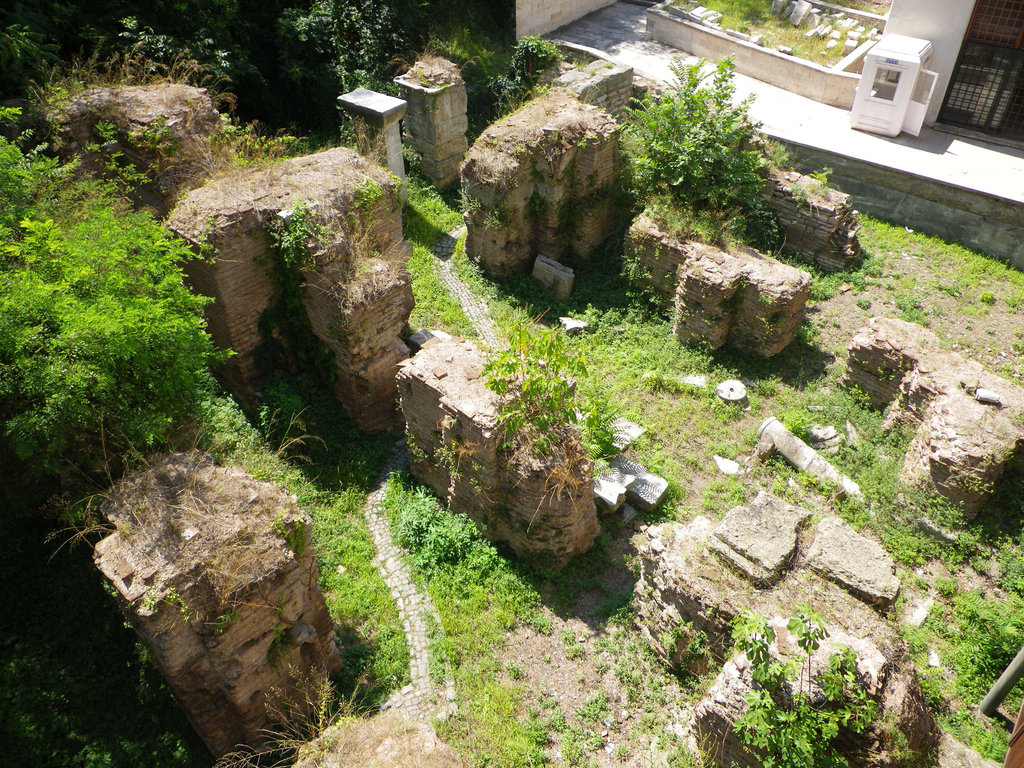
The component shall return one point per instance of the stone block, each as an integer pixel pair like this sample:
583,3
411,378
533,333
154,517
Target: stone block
853,561
743,298
760,539
558,278
435,123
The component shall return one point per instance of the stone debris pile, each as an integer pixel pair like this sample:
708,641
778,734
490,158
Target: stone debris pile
541,506
216,572
542,180
969,422
743,298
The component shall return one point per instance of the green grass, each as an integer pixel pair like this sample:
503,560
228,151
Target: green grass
480,596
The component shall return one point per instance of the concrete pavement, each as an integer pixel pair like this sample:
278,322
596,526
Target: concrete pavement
618,33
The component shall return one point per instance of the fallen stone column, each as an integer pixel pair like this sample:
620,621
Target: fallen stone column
774,436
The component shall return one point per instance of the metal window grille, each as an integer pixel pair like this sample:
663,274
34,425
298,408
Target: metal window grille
997,22
986,92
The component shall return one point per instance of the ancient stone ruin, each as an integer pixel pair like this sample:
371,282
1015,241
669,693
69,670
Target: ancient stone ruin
695,578
435,121
162,131
541,181
818,223
353,287
541,506
216,572
742,298
970,423
382,740
602,83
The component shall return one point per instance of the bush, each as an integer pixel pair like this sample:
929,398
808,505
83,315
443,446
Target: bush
696,148
102,348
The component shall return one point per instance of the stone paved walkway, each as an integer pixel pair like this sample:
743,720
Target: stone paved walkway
475,309
423,698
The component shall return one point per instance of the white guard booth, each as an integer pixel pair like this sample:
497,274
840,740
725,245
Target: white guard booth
895,88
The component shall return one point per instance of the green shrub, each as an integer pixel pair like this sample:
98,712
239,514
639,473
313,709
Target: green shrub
102,348
531,56
794,729
536,379
698,148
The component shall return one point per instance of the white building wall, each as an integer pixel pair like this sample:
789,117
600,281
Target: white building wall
944,24
538,17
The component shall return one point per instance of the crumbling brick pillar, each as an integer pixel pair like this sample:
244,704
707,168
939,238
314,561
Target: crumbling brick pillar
541,182
541,506
435,121
216,572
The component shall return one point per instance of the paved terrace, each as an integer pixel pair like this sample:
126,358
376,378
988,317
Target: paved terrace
952,186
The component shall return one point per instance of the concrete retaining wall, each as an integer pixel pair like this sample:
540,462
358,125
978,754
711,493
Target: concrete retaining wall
538,17
994,225
801,77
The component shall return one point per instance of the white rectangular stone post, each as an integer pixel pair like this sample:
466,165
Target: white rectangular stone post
380,113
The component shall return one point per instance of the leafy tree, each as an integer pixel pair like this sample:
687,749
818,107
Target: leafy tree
792,728
536,380
102,348
696,148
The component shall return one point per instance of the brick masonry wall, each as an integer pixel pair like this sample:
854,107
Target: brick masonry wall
455,448
222,652
819,224
356,291
541,181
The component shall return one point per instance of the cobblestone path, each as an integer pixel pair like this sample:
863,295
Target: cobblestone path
475,309
422,698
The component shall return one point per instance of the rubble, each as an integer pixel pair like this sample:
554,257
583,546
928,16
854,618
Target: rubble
216,572
542,506
963,445
541,181
744,298
354,288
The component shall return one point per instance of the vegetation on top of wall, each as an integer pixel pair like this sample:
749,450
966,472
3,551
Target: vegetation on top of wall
695,148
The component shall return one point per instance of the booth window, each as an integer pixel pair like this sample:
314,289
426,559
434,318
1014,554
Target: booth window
886,81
